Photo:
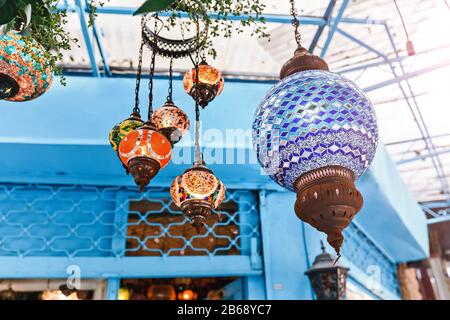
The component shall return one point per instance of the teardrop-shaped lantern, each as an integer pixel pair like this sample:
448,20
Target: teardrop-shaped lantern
145,151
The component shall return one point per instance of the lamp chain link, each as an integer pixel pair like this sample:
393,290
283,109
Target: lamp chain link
136,109
170,92
152,73
198,155
295,22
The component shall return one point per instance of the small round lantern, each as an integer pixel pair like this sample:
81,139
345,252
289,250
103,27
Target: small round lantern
328,278
120,130
204,88
145,151
161,292
25,72
187,294
171,121
315,133
197,192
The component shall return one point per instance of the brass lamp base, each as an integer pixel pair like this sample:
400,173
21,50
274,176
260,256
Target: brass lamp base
197,210
328,200
302,61
203,93
143,169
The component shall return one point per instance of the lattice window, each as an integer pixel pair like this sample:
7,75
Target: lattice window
365,254
78,220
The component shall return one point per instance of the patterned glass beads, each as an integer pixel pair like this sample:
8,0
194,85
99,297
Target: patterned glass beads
146,143
171,121
314,119
210,83
197,183
25,73
120,130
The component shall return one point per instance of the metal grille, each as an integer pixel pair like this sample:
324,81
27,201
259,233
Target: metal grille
81,221
366,254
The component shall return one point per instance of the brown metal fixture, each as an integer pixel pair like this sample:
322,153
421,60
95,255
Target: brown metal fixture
328,200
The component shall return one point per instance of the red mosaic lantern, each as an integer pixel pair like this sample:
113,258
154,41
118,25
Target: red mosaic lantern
145,151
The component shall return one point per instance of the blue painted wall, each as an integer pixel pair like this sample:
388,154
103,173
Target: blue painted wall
61,138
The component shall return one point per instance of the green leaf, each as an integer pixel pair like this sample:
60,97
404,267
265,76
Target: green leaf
153,6
8,11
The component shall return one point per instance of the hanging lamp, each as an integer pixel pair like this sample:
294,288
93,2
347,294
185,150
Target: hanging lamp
134,121
25,71
315,133
144,151
203,83
170,120
197,191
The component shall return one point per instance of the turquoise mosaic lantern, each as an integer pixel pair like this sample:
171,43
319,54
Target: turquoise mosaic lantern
315,133
25,72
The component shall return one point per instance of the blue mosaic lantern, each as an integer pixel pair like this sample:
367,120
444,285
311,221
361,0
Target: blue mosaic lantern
315,133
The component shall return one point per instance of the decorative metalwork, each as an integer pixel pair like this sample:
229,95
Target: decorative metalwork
88,221
25,72
171,48
328,277
367,256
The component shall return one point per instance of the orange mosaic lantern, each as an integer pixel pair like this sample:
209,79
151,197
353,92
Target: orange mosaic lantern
204,88
25,72
197,192
145,151
171,121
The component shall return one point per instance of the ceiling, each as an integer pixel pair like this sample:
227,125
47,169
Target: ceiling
413,128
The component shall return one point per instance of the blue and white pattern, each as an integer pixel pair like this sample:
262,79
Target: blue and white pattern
314,119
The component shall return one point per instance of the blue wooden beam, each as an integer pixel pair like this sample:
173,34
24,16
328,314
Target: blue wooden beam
326,17
128,267
87,39
333,28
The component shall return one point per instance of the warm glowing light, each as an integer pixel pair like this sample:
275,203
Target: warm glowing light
124,294
171,121
145,142
58,295
187,295
197,183
209,85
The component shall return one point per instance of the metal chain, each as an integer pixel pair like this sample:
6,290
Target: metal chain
198,154
136,109
169,96
152,73
295,22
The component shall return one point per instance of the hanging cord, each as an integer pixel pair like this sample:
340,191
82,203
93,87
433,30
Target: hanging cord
152,71
295,22
136,109
447,4
401,18
170,91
